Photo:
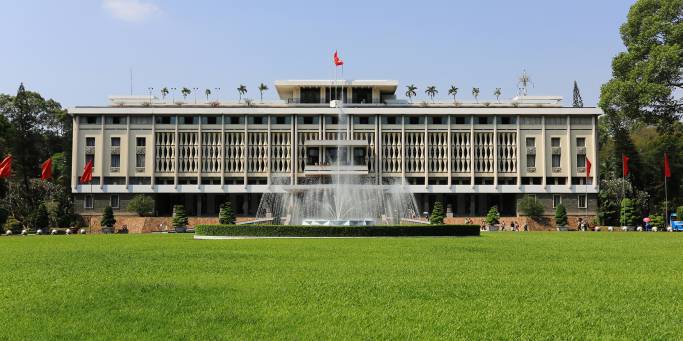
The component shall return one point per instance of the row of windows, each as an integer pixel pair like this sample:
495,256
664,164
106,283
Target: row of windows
286,119
581,201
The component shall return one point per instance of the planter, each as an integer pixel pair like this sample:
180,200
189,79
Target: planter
180,229
107,230
563,228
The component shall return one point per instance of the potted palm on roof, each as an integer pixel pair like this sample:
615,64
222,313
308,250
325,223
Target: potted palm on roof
431,92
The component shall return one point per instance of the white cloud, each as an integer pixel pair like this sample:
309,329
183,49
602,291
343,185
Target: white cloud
130,10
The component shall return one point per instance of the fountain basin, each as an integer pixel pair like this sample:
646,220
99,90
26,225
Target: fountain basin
338,222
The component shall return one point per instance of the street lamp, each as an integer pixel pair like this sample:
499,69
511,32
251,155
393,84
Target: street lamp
217,90
173,94
195,94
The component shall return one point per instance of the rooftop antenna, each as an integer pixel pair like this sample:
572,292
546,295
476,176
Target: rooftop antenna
524,81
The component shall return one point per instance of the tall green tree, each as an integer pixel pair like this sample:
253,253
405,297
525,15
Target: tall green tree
646,78
560,215
226,215
577,101
475,93
242,90
262,88
431,91
453,91
497,93
185,92
438,214
411,91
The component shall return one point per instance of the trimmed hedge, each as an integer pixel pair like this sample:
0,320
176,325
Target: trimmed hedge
336,231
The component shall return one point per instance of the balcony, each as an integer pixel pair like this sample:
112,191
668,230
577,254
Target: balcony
557,169
581,150
531,169
140,150
115,150
335,169
581,170
531,150
556,150
114,169
90,149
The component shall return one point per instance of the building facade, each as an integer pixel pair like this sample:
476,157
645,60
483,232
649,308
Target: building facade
469,155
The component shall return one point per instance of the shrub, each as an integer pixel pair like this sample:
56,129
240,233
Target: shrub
41,219
493,216
225,216
14,225
657,220
437,215
4,214
530,207
627,216
107,217
337,231
560,215
141,204
179,216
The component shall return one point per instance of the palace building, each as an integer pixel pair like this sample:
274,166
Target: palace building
471,156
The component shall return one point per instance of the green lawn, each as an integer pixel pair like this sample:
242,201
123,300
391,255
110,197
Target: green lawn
499,285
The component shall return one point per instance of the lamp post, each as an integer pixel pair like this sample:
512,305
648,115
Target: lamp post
173,94
217,97
150,94
194,90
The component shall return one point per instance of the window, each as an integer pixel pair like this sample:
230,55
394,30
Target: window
310,95
90,158
90,142
234,120
415,120
437,120
88,202
165,119
282,120
557,200
331,119
140,141
555,142
390,119
115,160
506,120
211,120
89,119
531,142
581,160
308,119
257,120
362,120
115,120
580,141
483,120
582,201
556,160
531,161
188,120
141,120
460,120
140,160
116,142
114,201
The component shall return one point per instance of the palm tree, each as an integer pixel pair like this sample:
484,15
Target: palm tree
497,94
185,92
164,93
475,93
207,92
431,92
453,91
261,89
242,90
411,91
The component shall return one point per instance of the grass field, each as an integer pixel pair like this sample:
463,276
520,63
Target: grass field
499,285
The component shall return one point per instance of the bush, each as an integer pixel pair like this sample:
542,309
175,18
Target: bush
41,219
657,220
179,216
4,214
141,204
225,216
336,231
627,216
107,217
14,225
530,207
560,215
679,213
437,216
493,217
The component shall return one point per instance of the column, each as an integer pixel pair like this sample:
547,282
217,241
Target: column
154,151
222,152
495,152
245,155
472,151
175,156
268,180
403,149
570,153
543,154
450,154
378,148
425,155
295,150
517,151
75,165
101,165
200,149
125,162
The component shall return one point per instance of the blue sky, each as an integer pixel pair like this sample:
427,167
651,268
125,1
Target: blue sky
80,52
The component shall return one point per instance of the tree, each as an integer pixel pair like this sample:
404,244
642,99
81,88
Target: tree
578,101
679,213
179,219
530,207
628,216
226,216
646,79
164,92
437,216
241,90
497,93
14,225
141,204
431,92
475,93
411,91
492,217
107,217
453,91
207,92
262,88
185,92
560,215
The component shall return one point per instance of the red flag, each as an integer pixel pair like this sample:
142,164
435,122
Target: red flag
6,167
667,168
337,60
625,159
87,173
46,170
588,167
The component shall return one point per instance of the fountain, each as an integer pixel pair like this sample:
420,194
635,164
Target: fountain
337,190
